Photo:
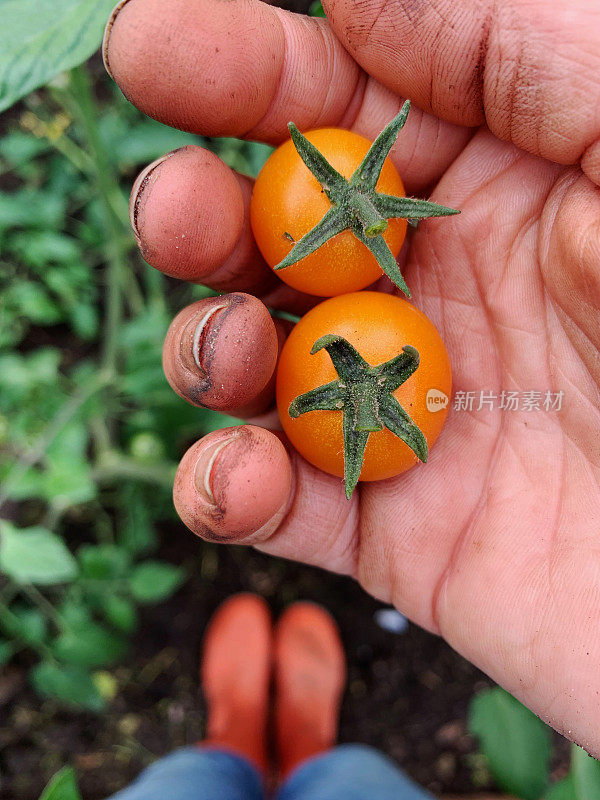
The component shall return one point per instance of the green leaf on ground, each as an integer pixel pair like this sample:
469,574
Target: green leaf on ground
516,743
35,555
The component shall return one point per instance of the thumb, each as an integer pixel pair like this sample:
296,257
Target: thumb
527,68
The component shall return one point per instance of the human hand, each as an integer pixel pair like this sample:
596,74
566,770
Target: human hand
492,544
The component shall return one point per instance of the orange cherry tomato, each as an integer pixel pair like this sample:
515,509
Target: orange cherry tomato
378,326
288,201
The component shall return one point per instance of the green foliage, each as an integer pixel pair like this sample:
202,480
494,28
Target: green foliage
90,431
316,9
153,581
515,742
40,38
24,625
63,786
517,747
73,686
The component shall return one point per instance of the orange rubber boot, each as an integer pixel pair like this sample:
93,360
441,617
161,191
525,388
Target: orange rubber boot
310,674
235,674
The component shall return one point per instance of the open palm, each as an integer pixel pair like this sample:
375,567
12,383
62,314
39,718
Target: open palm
492,545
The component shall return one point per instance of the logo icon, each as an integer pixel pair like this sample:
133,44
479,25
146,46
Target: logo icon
436,400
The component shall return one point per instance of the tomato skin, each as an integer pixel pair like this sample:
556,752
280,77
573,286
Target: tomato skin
378,326
288,199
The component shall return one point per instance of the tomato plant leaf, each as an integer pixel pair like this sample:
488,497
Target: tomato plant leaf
516,743
35,555
41,38
62,786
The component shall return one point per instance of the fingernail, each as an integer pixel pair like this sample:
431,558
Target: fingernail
203,471
201,334
107,32
137,191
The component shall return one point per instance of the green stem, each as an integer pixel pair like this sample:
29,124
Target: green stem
372,222
40,127
9,591
154,285
107,185
116,467
365,411
38,599
39,647
51,431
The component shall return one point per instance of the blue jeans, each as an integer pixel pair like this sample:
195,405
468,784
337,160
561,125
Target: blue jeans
349,772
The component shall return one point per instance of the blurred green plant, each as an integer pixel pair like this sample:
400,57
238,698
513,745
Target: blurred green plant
90,432
63,786
517,747
41,38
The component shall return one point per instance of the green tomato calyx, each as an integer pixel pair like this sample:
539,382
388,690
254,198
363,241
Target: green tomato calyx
364,395
356,205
